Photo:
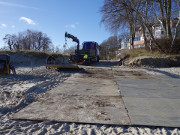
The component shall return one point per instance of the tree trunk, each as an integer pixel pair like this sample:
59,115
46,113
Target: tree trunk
162,16
143,27
150,46
153,39
10,45
175,35
132,36
165,10
144,35
149,28
168,19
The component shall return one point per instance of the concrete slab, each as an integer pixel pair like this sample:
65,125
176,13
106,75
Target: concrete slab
153,111
77,108
151,101
173,81
93,97
78,85
81,98
147,88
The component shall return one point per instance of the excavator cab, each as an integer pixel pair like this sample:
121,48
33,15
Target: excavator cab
4,64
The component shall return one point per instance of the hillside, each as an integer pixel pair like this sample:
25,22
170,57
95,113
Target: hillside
143,58
137,58
32,58
148,61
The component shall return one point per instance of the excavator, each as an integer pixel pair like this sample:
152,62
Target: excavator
90,49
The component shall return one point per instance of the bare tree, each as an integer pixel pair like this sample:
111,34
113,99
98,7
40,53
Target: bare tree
148,21
57,49
144,13
104,53
70,50
116,15
29,40
176,29
108,48
166,11
11,40
45,43
39,36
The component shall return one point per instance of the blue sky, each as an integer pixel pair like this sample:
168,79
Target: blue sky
80,18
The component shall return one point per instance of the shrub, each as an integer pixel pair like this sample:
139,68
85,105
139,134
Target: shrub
166,45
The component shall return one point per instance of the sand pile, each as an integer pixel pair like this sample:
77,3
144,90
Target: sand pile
33,58
147,61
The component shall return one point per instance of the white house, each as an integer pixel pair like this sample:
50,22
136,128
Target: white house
158,33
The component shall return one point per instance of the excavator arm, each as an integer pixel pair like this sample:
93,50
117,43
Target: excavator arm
75,39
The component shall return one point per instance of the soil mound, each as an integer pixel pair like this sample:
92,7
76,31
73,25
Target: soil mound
147,61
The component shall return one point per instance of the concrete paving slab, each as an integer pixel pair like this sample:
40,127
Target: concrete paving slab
151,101
77,108
81,99
173,81
153,111
77,85
93,97
147,88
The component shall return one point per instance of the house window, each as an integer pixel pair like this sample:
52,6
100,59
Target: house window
142,38
158,33
137,39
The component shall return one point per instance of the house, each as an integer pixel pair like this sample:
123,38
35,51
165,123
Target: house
158,33
123,47
124,44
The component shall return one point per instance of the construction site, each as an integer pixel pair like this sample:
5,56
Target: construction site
102,97
107,67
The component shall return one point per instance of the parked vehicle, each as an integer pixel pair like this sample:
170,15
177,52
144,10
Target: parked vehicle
90,49
4,64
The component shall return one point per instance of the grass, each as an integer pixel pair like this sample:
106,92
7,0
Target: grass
32,52
142,52
169,60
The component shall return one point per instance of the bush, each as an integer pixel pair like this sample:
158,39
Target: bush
176,48
166,45
141,52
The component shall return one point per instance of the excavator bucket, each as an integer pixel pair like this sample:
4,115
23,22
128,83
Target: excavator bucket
60,63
